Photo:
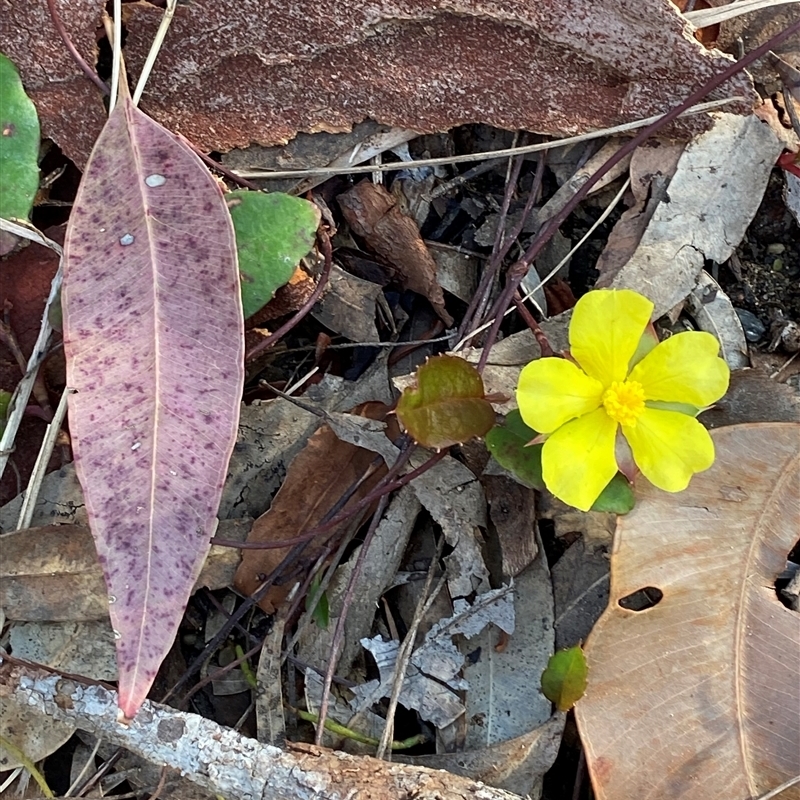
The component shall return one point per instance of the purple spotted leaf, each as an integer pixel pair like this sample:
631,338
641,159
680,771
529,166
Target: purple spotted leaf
153,335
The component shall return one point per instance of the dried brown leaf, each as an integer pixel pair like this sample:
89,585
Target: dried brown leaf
373,214
316,479
699,696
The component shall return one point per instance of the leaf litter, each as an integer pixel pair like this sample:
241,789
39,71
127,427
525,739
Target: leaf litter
447,501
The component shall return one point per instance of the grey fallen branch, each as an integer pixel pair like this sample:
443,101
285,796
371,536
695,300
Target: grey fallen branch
225,763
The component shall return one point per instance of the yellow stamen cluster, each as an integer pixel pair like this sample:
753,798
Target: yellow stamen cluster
624,402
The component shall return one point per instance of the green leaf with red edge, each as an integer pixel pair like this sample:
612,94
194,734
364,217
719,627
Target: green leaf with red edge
154,340
447,406
509,442
564,679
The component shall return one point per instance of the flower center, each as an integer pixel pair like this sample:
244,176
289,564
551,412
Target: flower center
624,401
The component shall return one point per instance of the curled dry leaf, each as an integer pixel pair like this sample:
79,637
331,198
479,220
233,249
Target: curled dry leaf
699,696
373,214
153,336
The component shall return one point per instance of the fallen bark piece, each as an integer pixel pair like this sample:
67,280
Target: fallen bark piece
227,764
544,66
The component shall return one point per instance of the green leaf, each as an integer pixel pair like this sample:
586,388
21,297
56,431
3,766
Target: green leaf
564,679
508,443
5,400
448,404
321,611
19,145
273,232
617,497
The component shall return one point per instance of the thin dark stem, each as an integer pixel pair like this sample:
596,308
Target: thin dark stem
215,165
479,299
347,600
325,246
79,59
520,268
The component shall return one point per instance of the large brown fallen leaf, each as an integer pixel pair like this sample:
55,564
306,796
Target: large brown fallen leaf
154,340
316,479
280,68
699,696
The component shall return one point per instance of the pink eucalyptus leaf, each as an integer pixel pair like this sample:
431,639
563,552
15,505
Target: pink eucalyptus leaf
153,335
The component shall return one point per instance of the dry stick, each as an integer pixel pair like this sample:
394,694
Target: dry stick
481,295
40,465
325,246
497,258
347,600
62,32
544,344
519,269
485,156
426,600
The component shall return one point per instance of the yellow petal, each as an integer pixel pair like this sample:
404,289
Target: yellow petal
578,459
669,448
552,391
606,327
684,369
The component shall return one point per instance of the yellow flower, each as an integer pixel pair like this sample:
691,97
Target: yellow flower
623,381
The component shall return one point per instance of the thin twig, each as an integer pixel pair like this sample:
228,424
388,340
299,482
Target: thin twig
155,48
492,154
347,600
406,649
116,54
42,460
79,59
22,393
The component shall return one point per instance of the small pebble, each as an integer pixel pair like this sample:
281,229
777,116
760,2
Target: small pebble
776,248
753,327
777,265
126,239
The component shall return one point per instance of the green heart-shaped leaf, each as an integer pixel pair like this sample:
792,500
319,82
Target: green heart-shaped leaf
19,145
273,232
448,404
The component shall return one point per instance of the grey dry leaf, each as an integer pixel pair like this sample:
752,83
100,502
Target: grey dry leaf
713,197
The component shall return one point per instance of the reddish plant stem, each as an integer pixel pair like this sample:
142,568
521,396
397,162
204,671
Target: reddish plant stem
79,59
385,486
215,165
481,296
544,344
347,601
325,246
520,268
